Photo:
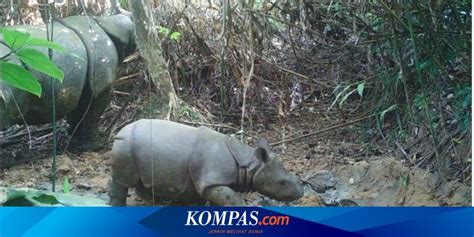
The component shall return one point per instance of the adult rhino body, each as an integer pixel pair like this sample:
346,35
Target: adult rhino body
185,164
94,49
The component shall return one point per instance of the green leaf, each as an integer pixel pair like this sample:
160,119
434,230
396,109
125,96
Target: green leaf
339,95
45,43
360,89
175,36
35,197
382,115
46,199
163,30
344,98
405,181
38,61
423,65
20,78
14,38
66,185
123,4
336,7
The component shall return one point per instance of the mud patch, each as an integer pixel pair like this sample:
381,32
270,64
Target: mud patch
387,182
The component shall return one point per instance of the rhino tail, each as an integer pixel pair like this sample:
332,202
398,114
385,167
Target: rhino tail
124,168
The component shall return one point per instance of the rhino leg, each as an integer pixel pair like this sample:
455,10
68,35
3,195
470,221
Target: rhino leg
125,173
86,118
222,196
118,194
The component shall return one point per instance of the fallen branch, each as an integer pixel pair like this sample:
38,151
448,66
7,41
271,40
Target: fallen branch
131,57
125,78
8,140
322,130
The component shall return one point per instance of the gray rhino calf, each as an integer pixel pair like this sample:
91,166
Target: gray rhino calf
182,163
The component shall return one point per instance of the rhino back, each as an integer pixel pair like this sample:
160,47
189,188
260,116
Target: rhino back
103,58
72,62
162,150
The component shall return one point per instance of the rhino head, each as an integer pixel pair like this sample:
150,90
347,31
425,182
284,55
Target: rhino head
272,179
121,29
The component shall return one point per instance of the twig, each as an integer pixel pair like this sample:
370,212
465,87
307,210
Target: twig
121,93
131,57
122,109
125,78
322,130
402,150
249,77
19,135
225,11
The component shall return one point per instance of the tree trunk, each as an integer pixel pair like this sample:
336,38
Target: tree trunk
149,46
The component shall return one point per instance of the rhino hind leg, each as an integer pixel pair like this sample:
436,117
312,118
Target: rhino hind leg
118,194
125,174
84,120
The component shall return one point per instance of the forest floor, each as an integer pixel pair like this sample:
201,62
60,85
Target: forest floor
338,167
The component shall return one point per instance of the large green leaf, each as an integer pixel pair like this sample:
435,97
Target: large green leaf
33,197
15,39
45,43
38,61
20,78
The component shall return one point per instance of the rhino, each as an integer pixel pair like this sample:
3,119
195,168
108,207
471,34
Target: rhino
94,49
185,164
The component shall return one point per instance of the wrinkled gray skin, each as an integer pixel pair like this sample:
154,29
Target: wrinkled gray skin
94,48
187,164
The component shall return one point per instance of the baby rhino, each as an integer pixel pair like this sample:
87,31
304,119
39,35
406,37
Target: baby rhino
185,164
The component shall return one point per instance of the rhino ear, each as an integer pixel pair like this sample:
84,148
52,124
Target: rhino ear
263,143
262,154
263,150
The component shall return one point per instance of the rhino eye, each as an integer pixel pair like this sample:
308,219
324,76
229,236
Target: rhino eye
282,182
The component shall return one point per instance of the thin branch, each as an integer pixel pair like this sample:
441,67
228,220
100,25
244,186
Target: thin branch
322,130
249,77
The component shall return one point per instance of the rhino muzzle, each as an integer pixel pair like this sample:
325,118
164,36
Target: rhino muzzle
274,181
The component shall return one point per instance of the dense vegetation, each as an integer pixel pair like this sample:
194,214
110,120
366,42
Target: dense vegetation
405,65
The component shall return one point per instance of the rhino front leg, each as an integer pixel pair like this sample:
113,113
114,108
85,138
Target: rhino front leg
118,194
222,196
85,121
